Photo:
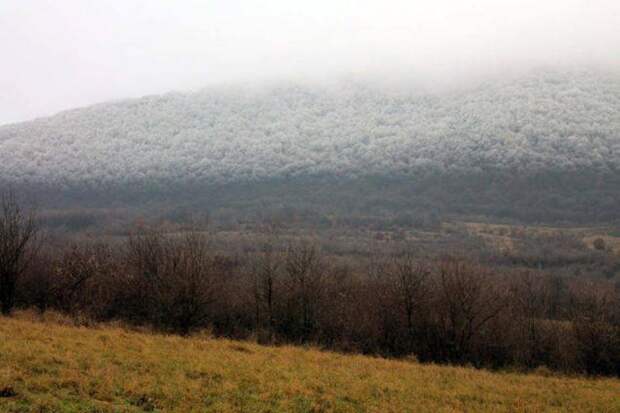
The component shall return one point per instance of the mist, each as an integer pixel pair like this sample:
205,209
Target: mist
60,55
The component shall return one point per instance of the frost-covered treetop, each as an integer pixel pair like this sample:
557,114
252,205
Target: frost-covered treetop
563,121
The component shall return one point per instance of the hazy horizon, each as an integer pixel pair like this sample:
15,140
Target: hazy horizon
61,56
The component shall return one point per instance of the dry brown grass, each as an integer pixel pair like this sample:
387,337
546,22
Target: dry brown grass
53,366
501,236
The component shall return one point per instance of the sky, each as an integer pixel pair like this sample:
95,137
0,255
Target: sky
61,54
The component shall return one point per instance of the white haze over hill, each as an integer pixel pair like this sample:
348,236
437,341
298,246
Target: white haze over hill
561,121
62,54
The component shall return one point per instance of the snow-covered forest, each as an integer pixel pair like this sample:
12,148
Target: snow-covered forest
562,121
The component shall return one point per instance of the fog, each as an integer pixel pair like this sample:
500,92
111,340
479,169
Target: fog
62,54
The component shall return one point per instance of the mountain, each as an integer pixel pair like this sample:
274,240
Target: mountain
544,131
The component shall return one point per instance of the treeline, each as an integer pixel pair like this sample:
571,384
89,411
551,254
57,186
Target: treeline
447,310
580,197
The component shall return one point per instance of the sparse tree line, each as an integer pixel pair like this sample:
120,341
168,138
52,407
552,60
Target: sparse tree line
448,310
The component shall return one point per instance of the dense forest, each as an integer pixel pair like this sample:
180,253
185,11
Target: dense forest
540,147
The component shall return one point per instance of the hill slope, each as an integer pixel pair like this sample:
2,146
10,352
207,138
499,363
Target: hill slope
51,367
547,120
478,150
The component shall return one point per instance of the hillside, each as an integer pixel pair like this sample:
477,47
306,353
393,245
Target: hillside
47,366
547,120
550,137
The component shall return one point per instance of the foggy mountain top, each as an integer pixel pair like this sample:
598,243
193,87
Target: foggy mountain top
546,121
398,85
60,55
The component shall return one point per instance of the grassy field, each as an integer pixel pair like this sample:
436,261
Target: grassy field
51,366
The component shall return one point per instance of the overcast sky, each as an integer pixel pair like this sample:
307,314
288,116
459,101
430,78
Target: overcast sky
59,54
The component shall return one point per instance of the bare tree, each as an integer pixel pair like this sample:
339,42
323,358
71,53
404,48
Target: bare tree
305,270
382,298
191,284
77,268
531,298
146,251
410,275
266,269
470,300
598,340
18,230
175,278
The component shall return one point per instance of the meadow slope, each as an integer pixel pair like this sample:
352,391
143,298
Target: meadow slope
47,366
